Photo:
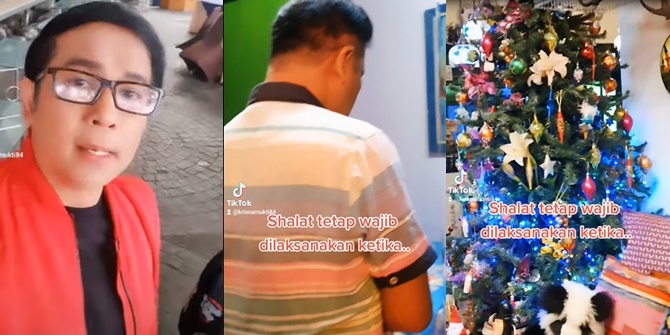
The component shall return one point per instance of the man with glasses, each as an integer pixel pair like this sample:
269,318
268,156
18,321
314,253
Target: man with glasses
79,245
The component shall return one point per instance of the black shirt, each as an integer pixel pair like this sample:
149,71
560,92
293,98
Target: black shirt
97,259
203,313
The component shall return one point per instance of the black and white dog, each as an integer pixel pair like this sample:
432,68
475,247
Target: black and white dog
572,309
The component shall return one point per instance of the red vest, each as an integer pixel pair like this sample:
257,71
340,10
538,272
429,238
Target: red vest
41,288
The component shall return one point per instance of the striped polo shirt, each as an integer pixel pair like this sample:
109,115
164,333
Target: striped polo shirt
319,219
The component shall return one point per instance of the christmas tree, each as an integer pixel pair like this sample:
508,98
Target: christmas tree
540,121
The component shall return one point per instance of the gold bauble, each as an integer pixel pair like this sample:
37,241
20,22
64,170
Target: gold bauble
536,129
610,62
485,134
644,162
550,38
473,206
462,98
509,58
463,140
619,113
473,55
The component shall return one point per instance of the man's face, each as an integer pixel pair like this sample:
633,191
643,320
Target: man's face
79,145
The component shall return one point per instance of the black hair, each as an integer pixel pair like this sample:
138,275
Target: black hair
43,48
315,23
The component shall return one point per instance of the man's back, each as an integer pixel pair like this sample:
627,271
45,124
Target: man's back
290,168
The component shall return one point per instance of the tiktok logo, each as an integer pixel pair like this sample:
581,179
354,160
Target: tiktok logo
460,178
238,191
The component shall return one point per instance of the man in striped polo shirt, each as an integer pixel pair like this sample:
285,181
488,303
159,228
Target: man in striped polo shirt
320,236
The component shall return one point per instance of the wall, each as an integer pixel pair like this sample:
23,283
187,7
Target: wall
393,98
642,38
246,48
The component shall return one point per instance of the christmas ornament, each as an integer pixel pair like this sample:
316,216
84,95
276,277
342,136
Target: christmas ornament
550,38
469,258
509,171
472,131
504,48
595,98
463,140
517,149
548,66
488,165
548,166
514,100
451,126
462,113
589,187
610,85
514,14
486,134
465,226
473,31
477,84
530,171
587,51
588,112
509,83
554,249
595,28
629,167
627,123
522,271
610,62
595,156
562,221
487,45
560,122
536,129
619,113
462,98
473,56
585,129
578,74
644,162
568,244
506,218
517,66
473,206
458,54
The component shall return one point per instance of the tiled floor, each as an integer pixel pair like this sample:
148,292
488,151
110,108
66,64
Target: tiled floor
182,158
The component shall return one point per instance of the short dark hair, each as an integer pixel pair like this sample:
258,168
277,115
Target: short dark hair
311,23
43,48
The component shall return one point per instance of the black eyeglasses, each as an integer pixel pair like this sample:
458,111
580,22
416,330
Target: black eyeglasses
84,88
